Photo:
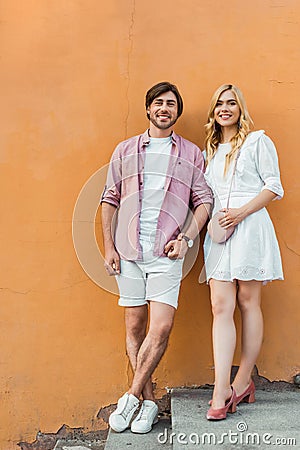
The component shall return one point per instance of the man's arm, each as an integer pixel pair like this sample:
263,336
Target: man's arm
201,199
112,258
177,248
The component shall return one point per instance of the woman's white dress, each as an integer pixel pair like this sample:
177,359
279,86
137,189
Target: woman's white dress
252,252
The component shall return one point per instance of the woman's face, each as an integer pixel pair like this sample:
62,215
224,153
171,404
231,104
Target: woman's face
227,111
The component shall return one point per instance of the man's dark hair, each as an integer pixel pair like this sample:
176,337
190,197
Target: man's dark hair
161,88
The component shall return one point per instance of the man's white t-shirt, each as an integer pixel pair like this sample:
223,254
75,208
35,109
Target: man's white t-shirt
157,159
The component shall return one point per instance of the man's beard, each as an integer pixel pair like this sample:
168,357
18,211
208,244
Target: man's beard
163,125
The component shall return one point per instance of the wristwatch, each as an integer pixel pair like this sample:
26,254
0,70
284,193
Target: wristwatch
188,240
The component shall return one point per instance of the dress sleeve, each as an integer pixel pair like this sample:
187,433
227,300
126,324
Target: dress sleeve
267,166
112,189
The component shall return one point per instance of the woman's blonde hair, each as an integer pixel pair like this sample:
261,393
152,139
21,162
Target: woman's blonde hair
213,129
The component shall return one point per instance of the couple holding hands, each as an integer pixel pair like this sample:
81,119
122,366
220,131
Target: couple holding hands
159,193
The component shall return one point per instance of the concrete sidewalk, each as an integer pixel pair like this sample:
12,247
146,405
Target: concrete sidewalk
132,441
272,421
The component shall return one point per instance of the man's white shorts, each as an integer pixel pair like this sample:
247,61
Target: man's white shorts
155,278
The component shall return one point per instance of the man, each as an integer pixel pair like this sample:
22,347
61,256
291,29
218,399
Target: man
152,180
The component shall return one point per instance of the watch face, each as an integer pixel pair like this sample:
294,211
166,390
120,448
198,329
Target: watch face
190,243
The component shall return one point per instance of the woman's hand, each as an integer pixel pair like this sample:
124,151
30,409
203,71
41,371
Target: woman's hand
232,217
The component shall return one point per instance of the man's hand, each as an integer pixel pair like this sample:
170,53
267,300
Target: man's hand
176,249
112,262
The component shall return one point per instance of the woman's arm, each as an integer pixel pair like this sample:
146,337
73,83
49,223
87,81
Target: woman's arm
266,161
233,216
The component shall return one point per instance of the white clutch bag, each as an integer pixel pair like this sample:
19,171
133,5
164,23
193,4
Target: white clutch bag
217,233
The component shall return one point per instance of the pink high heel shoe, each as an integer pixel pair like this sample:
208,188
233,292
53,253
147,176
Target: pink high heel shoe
248,396
221,413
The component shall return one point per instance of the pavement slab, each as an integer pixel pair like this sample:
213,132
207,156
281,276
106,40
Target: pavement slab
272,421
132,441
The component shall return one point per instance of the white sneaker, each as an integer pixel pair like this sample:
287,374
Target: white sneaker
145,418
120,419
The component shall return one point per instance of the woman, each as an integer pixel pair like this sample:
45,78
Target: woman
237,269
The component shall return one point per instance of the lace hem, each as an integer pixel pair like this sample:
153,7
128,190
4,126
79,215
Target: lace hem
247,273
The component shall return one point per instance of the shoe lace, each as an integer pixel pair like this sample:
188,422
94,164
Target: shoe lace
127,409
143,412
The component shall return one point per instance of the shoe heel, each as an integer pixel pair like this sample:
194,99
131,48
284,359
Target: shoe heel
232,408
250,398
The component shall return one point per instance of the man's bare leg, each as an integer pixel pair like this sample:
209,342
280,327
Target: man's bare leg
153,346
136,319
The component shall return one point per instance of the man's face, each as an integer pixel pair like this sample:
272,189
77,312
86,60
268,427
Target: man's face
163,111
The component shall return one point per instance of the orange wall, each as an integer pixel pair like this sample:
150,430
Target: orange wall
73,78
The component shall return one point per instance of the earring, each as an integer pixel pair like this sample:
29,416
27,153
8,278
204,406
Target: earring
239,126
